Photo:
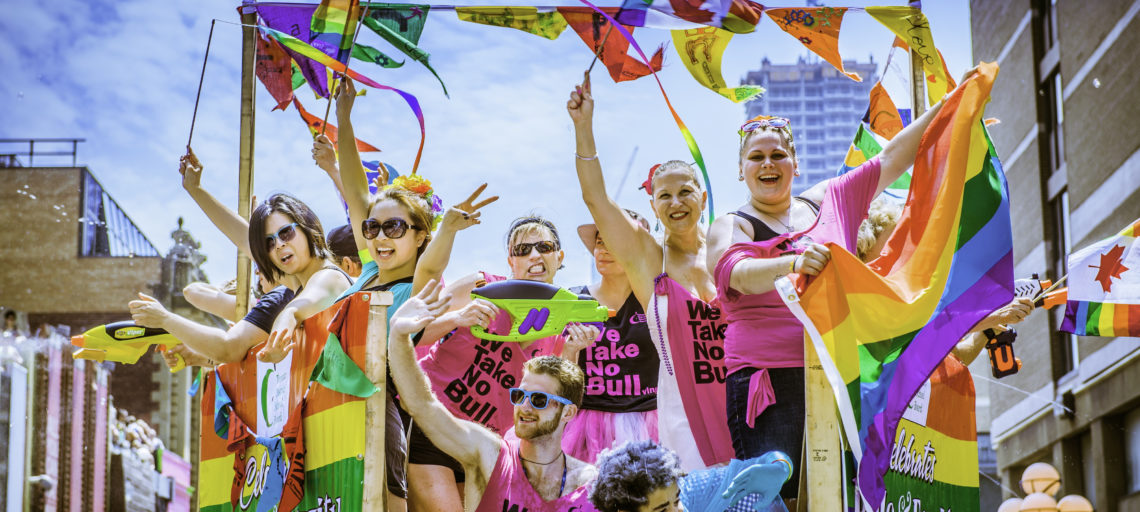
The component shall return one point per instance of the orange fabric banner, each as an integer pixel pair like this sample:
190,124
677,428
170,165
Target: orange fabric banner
596,32
817,29
882,114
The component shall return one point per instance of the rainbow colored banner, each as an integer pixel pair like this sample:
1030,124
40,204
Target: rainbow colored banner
305,50
333,27
864,147
1104,287
883,327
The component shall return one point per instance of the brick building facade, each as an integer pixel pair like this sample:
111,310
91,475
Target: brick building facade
1068,141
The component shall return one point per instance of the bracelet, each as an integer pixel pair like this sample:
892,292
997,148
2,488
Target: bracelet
580,157
792,267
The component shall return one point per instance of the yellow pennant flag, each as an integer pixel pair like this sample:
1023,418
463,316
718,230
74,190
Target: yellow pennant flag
527,19
701,50
911,25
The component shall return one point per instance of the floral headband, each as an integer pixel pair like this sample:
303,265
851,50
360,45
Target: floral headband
421,186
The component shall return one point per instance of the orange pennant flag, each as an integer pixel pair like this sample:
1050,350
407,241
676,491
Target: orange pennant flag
882,114
314,123
596,32
817,29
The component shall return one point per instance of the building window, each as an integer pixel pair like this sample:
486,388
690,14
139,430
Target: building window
1132,450
104,229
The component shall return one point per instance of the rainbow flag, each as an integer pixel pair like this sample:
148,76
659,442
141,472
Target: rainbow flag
1104,287
864,147
882,328
333,27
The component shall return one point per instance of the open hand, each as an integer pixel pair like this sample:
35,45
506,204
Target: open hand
466,214
276,347
420,310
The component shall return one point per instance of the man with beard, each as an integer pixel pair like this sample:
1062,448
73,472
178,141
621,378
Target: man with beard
532,473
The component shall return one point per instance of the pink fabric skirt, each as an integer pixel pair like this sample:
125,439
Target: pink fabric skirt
593,431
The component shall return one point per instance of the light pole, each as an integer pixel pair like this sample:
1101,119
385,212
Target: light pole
1041,482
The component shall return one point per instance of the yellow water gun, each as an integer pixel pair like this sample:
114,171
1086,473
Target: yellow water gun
123,342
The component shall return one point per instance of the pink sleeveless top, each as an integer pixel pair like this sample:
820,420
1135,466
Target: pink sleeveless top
509,490
694,332
471,377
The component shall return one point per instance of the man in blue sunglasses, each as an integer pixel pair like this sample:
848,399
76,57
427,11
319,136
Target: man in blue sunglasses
531,473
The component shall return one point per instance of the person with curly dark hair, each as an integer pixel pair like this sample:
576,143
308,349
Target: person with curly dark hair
643,476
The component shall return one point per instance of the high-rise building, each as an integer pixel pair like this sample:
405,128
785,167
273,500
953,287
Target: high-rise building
823,105
1070,151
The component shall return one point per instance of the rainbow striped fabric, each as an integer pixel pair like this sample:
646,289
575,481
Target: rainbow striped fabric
333,27
882,328
864,147
1104,287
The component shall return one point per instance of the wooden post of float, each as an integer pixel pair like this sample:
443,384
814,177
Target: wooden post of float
821,478
375,495
917,79
245,147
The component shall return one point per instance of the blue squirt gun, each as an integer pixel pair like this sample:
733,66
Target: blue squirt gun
537,310
123,342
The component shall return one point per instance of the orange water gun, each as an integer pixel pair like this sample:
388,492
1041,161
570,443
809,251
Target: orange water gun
1045,295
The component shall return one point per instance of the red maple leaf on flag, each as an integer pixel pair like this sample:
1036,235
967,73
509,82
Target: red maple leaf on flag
1110,266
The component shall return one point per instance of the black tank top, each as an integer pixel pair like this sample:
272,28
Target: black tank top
760,230
621,368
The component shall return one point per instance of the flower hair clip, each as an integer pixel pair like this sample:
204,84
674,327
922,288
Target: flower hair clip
421,186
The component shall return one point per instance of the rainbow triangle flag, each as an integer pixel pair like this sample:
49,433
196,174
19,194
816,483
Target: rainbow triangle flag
333,28
882,328
864,147
1104,287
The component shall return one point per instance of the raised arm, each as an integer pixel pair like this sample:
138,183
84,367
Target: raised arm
226,220
222,346
212,300
433,261
469,443
634,248
353,180
324,155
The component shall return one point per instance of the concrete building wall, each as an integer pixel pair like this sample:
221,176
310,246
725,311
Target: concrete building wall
1076,411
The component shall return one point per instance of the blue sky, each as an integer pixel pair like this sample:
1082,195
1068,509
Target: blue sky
123,75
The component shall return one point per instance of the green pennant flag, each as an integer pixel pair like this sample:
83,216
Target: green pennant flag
401,25
336,371
369,54
298,78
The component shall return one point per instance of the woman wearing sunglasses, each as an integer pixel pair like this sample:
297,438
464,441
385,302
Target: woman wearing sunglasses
670,281
285,240
771,235
473,377
393,232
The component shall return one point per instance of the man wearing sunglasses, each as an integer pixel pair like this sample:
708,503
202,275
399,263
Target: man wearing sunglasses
532,473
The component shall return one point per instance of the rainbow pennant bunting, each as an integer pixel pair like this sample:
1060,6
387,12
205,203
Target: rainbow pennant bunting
1104,287
883,327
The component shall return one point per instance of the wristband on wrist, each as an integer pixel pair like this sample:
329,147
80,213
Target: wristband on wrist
792,267
586,158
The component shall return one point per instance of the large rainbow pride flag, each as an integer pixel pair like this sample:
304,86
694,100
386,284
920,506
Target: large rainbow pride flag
883,327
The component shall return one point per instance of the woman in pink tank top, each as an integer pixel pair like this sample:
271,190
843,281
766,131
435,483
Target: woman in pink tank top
673,286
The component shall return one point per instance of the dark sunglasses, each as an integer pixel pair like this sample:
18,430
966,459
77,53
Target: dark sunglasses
538,399
392,228
523,249
285,234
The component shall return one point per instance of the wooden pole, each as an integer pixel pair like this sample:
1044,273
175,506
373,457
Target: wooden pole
245,148
917,79
823,456
375,497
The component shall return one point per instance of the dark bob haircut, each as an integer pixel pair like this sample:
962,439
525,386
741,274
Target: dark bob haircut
629,473
307,223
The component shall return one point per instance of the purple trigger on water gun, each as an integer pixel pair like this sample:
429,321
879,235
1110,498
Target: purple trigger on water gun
535,319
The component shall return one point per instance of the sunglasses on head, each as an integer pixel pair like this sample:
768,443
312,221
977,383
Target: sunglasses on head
523,249
285,234
392,228
761,121
538,399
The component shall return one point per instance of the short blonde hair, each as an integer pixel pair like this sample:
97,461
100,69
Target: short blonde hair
882,217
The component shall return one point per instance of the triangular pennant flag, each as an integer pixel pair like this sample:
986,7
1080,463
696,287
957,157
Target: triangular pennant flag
314,123
333,27
737,16
609,45
549,24
817,29
336,371
369,54
274,69
882,116
388,28
864,147
701,49
295,19
912,27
